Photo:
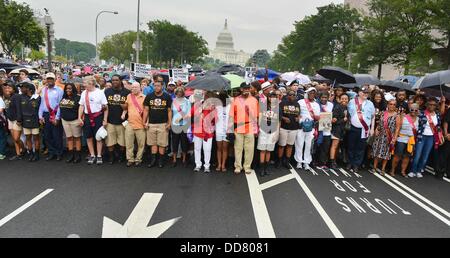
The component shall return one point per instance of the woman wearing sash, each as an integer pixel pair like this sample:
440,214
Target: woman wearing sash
135,127
406,139
385,140
91,115
427,137
181,108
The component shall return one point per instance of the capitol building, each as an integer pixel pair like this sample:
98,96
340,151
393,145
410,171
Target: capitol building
225,51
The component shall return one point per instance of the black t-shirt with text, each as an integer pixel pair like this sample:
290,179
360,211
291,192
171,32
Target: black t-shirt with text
290,110
158,107
69,108
116,98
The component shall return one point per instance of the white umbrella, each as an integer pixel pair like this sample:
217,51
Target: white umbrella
302,79
291,76
30,71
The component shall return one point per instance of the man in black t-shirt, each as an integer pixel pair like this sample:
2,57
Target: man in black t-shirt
290,124
158,118
116,96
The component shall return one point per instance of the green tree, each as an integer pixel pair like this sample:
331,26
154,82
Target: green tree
78,51
380,40
413,28
18,26
118,46
440,19
175,42
36,55
327,38
261,58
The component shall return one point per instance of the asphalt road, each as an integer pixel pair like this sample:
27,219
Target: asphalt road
289,203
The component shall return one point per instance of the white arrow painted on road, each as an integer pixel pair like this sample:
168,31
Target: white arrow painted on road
136,225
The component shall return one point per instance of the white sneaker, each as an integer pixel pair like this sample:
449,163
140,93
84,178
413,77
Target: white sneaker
307,167
411,175
419,175
299,165
197,169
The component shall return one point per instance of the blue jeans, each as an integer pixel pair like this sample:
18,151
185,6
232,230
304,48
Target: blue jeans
3,141
356,147
53,136
422,153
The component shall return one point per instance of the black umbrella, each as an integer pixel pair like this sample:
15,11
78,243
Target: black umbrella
235,69
319,78
435,84
337,75
395,86
210,82
366,79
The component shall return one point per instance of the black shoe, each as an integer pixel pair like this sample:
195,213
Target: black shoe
161,162
266,169
36,157
50,157
262,173
58,157
71,157
333,165
153,161
174,164
286,164
349,167
278,163
355,170
16,157
31,157
138,164
111,158
130,164
77,158
121,157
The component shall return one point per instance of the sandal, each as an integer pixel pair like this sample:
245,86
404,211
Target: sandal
224,170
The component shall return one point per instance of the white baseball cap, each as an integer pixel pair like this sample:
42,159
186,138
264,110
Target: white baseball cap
50,76
266,85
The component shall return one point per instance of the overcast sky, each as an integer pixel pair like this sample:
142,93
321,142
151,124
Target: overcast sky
255,24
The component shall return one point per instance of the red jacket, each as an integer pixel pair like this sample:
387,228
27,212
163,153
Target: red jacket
203,121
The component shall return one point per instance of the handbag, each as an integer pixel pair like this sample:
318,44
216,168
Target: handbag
308,125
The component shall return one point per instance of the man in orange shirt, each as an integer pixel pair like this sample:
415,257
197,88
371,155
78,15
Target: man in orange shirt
244,119
135,127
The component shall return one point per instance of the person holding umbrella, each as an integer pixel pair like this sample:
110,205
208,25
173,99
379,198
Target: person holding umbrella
361,111
244,119
444,152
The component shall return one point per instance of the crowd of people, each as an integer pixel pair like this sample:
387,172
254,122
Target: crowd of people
259,126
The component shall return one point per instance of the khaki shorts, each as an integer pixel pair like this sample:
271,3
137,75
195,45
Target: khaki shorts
157,135
34,131
116,135
72,128
287,137
12,125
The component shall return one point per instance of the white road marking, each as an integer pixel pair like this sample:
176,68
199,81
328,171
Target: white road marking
24,207
333,228
431,171
262,218
276,182
136,225
427,201
412,198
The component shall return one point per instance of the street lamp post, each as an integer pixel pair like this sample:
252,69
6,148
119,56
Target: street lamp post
97,57
48,24
138,41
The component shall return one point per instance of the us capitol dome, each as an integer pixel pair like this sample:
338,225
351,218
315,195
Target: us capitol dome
225,51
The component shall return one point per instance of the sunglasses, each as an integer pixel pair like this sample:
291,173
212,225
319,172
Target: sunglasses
414,110
291,95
